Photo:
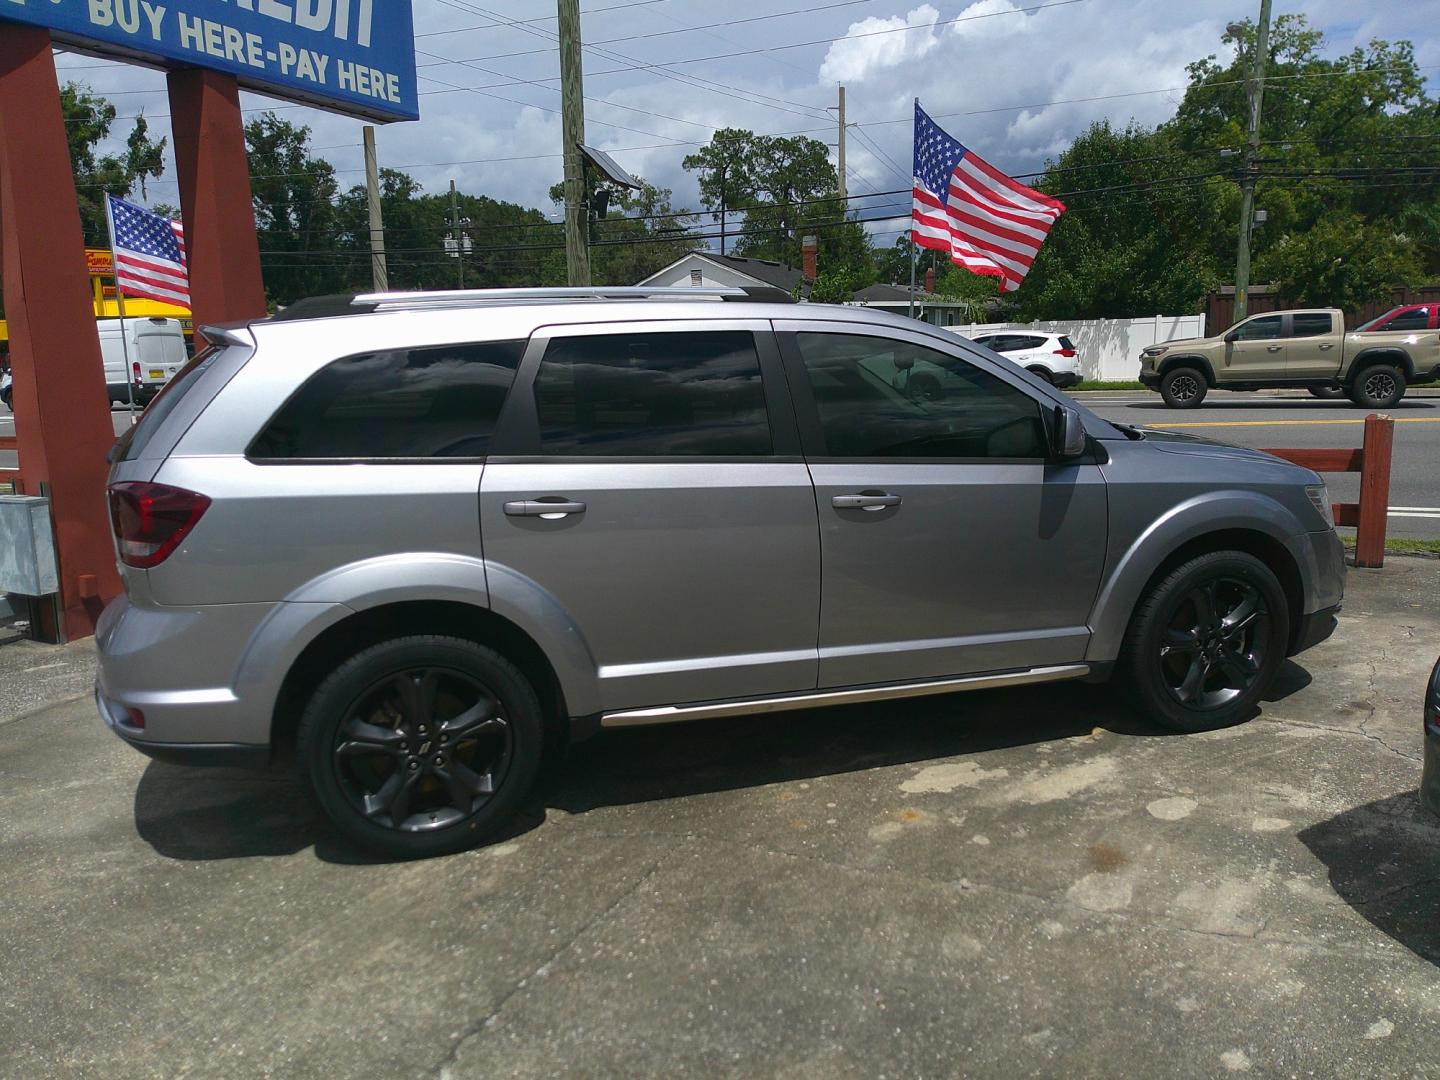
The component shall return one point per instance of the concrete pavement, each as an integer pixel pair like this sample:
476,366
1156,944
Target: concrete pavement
1030,883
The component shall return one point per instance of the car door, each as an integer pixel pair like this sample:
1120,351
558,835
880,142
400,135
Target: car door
950,544
1255,350
680,536
1312,345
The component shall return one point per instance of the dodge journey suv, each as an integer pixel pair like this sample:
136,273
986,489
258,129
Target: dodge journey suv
416,539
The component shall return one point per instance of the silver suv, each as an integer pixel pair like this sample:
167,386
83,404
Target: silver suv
419,538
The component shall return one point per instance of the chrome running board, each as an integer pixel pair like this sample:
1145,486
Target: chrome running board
812,699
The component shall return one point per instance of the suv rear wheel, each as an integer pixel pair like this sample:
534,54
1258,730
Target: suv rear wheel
1207,641
1380,386
421,745
1183,387
1043,373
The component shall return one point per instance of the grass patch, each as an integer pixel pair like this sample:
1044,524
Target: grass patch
1117,385
1399,545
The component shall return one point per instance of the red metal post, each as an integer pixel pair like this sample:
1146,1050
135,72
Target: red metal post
214,177
62,413
1374,491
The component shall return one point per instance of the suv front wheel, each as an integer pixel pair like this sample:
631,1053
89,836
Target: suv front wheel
1207,641
421,745
1183,387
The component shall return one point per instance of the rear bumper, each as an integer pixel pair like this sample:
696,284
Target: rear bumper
222,755
1065,379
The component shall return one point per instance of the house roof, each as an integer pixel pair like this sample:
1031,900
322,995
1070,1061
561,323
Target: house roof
881,294
764,271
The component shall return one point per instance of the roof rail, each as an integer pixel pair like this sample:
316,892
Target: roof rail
599,292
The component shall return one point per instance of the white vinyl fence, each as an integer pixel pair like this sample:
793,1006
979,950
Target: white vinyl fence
1109,348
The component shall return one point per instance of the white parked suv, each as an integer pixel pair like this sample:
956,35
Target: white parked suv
1050,356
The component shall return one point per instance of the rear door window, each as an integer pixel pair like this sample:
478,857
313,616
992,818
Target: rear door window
1311,324
653,395
427,402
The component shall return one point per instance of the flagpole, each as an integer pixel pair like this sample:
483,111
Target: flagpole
912,224
120,305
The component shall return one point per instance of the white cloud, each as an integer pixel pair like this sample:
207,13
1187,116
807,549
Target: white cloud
876,44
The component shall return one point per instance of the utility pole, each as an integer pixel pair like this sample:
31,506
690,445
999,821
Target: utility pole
455,235
379,274
840,151
572,124
723,172
1251,169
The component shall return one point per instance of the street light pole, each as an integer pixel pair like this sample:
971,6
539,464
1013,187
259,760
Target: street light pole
1255,89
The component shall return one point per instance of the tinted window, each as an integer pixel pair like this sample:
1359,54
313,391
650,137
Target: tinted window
653,395
1419,319
433,402
1066,343
133,444
1029,342
1261,329
879,398
987,341
1312,324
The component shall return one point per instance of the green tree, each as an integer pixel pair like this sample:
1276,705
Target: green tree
787,189
294,194
641,234
1342,262
89,120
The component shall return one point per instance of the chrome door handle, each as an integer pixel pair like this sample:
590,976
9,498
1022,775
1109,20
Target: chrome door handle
1273,348
1328,345
864,501
557,508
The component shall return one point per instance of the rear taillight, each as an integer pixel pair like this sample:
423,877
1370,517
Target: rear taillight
151,520
135,367
1065,352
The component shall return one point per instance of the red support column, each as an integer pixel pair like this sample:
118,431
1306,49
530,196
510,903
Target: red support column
62,413
1374,491
214,177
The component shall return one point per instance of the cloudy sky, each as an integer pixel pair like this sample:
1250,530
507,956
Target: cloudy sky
1015,85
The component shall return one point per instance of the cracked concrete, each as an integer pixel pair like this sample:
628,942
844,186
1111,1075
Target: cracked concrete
1000,884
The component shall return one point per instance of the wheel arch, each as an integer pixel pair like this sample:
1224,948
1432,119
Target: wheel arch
370,626
1191,360
1382,354
1204,528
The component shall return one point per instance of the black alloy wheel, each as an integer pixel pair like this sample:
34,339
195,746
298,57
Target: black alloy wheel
1214,647
1379,387
421,745
1183,388
1206,641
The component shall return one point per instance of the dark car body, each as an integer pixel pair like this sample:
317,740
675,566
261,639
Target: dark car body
1430,781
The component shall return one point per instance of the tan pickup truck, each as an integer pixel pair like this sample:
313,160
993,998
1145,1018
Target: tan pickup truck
1305,349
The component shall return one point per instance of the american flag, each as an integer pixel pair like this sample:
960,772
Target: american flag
149,254
989,223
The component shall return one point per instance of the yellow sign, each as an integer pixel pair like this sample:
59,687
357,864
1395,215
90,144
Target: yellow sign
99,262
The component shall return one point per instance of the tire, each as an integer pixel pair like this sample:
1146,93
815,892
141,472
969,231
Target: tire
1327,393
1183,387
375,756
1186,671
1042,373
1380,386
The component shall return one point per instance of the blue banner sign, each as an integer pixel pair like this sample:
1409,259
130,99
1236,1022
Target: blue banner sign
352,56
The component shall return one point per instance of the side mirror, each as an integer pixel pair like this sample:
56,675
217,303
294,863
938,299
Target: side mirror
1067,435
1230,339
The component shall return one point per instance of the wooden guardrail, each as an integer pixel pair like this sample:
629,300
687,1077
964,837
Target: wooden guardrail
1370,515
9,478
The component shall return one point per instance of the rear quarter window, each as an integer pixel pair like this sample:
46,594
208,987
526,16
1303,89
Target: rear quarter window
133,444
425,402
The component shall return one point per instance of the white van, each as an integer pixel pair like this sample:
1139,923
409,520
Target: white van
153,352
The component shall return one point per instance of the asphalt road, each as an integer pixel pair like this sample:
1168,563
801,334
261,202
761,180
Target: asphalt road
1254,421
1301,421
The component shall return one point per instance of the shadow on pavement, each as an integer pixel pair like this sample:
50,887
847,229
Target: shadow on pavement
1384,861
195,814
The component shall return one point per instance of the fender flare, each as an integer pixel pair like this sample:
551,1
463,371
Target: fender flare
1131,570
1189,360
1381,354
